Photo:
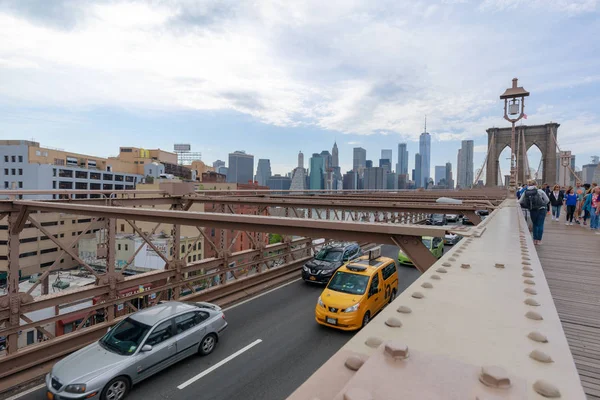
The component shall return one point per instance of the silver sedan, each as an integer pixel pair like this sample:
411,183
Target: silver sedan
136,348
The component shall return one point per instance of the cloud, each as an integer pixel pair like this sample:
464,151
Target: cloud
353,143
350,66
481,148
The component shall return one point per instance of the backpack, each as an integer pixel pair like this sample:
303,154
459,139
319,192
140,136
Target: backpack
533,199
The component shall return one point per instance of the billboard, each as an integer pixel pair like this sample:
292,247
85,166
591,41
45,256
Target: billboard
182,147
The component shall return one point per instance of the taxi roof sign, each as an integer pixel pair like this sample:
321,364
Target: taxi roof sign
375,253
356,267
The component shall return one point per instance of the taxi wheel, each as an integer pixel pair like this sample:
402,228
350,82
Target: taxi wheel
392,296
366,319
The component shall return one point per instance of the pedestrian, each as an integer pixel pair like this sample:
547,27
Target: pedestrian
570,205
595,209
521,190
580,192
536,201
556,201
546,189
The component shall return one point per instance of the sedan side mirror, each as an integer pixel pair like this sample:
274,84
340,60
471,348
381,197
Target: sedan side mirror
147,347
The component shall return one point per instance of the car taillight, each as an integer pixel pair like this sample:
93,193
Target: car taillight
223,316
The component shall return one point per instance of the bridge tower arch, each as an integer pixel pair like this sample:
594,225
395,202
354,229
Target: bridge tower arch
543,136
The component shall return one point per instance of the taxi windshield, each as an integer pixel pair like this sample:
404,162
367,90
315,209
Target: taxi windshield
426,242
329,255
346,282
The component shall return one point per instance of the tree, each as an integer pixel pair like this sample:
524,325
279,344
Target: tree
275,238
149,179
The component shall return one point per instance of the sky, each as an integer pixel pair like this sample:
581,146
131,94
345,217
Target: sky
274,77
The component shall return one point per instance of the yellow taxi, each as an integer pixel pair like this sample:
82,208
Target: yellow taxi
358,291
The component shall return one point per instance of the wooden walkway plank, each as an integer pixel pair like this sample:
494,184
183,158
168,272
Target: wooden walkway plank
570,257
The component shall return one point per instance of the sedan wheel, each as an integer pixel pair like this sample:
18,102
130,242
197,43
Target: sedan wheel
208,344
116,389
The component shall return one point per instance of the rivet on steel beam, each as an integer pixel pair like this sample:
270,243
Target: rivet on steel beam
404,310
452,259
446,264
499,265
537,337
530,291
465,266
435,277
373,342
418,295
427,285
458,251
546,389
534,315
540,356
393,322
526,258
495,377
526,263
528,275
527,268
529,282
441,270
357,394
396,350
530,301
354,362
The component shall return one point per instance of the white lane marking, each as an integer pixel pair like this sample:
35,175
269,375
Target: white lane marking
217,365
260,295
33,389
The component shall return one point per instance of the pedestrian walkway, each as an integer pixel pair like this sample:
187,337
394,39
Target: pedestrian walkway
570,257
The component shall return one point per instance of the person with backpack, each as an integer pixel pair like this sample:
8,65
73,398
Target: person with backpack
556,197
535,200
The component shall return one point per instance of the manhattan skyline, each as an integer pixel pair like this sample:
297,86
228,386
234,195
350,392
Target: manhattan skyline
261,77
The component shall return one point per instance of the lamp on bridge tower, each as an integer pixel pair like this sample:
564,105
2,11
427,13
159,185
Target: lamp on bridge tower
514,110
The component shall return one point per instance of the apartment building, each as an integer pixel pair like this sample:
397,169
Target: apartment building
25,165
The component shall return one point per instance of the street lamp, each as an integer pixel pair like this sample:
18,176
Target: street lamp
514,107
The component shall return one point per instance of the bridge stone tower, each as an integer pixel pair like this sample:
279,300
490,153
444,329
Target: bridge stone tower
527,136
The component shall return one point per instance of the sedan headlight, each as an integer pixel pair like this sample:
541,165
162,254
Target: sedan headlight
320,302
305,268
353,308
75,388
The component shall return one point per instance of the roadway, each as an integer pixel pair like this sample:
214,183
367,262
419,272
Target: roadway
292,347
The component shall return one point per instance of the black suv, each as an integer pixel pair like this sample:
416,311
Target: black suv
437,219
328,260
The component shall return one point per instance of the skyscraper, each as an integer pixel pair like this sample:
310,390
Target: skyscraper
418,170
402,165
458,169
300,160
425,151
449,180
317,168
263,171
386,164
374,178
299,175
241,167
386,154
440,175
218,164
359,159
335,160
368,164
464,174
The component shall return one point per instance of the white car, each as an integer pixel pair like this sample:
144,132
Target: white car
451,238
452,217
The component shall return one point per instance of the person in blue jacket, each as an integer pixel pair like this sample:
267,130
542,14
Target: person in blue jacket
570,204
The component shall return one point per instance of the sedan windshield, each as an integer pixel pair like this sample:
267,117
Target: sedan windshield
348,283
125,337
427,242
329,255
437,217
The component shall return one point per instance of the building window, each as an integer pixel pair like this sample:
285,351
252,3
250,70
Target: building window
194,258
119,247
212,232
28,254
13,171
95,175
95,186
20,171
62,235
189,259
65,185
118,187
126,149
107,186
46,264
20,158
122,227
30,337
91,163
60,161
50,223
5,158
183,249
81,186
119,178
129,179
53,171
5,171
20,185
54,185
65,173
72,161
81,174
5,185
84,220
13,158
52,250
107,177
126,247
